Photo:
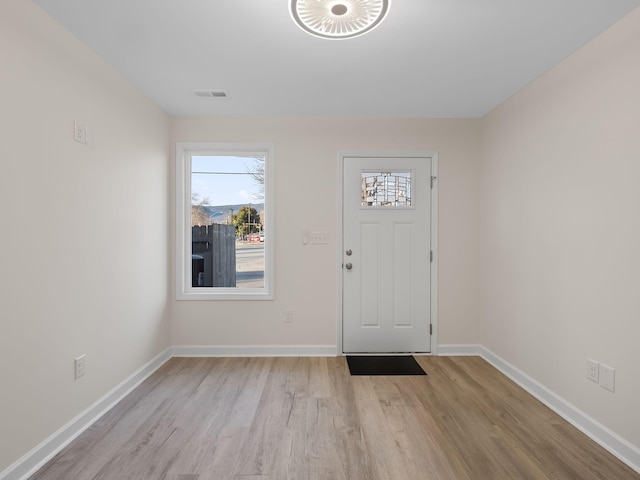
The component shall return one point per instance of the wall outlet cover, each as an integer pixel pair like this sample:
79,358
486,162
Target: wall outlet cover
79,131
593,370
607,378
79,366
288,315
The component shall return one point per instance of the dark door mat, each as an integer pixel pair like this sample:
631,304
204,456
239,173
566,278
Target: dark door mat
384,365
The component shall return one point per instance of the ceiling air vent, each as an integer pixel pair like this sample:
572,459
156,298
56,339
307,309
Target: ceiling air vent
211,93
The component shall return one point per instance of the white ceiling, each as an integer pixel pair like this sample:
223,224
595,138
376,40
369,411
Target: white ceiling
429,58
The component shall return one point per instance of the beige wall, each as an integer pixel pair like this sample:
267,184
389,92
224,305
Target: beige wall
306,184
539,227
560,229
83,249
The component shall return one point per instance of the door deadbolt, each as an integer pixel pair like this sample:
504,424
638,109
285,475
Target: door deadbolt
349,252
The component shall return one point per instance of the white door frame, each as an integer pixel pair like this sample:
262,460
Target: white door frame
434,237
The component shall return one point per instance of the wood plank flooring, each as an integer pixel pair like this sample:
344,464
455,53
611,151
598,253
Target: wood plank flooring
308,419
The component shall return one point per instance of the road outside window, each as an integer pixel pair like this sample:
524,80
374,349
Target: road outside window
224,235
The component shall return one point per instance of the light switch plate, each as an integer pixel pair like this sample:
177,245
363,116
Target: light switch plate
89,137
319,238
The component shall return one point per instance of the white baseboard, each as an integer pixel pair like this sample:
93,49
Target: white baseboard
460,350
36,458
41,454
254,351
615,444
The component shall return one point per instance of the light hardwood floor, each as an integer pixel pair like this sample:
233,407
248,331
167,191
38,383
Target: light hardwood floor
307,418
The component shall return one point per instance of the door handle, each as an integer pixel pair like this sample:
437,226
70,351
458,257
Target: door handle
348,266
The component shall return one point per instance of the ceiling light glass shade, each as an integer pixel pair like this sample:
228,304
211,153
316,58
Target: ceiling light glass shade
338,18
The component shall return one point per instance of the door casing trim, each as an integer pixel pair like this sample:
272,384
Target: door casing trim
434,237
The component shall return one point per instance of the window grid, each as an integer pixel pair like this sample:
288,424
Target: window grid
382,189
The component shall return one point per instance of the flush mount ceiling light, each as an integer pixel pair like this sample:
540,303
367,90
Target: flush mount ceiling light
338,18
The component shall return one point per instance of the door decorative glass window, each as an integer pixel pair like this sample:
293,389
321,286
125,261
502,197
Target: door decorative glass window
384,189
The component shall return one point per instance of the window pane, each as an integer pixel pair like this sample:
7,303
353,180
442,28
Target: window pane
227,221
383,189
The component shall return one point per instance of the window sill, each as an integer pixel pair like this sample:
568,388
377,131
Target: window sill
247,294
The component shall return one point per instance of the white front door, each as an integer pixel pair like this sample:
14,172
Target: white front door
386,255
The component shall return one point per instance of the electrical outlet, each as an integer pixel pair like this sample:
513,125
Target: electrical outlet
607,378
593,370
288,315
79,363
79,132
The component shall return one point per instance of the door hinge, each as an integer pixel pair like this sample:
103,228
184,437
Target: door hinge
433,179
431,329
431,256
